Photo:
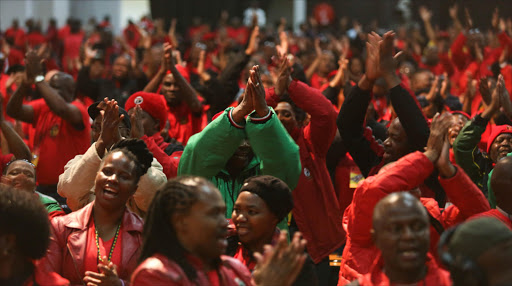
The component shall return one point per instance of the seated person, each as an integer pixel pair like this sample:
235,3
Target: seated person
233,148
101,241
24,237
501,183
148,119
61,123
478,253
408,174
262,203
76,184
401,232
185,237
21,175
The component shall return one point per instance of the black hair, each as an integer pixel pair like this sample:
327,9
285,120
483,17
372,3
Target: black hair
136,150
300,115
273,191
159,236
22,214
15,160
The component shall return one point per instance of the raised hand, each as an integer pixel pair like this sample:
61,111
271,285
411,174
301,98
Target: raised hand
253,41
438,134
259,102
109,134
483,87
33,65
425,14
281,264
443,164
245,106
282,48
373,57
284,77
136,122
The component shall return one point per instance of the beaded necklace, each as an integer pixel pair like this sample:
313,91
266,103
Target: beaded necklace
111,248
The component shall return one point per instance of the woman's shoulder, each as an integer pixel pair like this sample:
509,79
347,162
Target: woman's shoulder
157,269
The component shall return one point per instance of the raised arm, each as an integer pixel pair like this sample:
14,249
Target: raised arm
208,151
15,144
426,15
404,102
353,112
15,107
269,139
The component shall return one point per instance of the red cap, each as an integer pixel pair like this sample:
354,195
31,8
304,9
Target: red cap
153,103
496,131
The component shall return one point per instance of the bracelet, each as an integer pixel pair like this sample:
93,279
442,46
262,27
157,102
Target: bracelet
264,118
230,117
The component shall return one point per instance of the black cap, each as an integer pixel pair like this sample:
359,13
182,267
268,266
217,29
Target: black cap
94,111
273,191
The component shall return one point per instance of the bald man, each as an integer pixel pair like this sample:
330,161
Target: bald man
407,174
401,233
501,183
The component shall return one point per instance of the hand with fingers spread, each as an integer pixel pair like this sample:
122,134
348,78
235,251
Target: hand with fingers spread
282,263
109,134
388,59
438,134
107,277
259,102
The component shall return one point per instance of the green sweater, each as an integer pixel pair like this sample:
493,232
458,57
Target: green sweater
468,156
207,153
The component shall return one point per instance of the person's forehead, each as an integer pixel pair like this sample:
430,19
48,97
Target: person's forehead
249,199
504,136
169,78
400,213
20,165
283,105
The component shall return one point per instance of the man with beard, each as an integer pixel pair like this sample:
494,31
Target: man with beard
401,233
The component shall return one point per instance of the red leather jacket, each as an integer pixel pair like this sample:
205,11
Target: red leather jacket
406,174
66,253
159,270
435,275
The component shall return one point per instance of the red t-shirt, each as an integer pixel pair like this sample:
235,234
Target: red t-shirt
15,57
35,39
91,251
71,52
56,141
183,123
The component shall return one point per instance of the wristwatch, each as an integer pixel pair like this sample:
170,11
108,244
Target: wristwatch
39,78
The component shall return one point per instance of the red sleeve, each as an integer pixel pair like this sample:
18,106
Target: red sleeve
464,195
271,97
322,127
505,40
459,57
507,76
169,163
407,173
37,106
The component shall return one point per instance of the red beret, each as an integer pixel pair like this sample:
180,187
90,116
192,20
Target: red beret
153,103
496,131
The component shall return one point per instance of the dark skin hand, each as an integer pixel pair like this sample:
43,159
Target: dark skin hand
136,121
259,102
107,277
284,77
438,134
109,127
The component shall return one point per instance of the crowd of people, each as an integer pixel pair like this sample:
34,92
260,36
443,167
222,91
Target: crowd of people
243,154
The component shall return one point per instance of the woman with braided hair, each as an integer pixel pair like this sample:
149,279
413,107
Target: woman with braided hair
100,243
185,236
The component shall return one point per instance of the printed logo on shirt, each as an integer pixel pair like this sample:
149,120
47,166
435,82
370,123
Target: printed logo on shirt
138,100
307,173
54,131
